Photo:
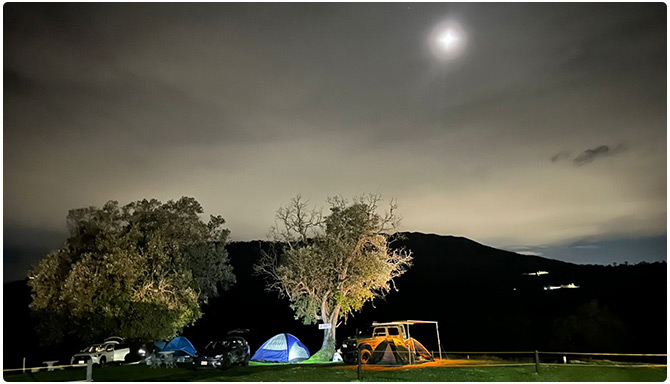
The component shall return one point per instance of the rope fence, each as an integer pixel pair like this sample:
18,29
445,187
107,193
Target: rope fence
607,354
88,367
610,365
54,367
588,359
554,353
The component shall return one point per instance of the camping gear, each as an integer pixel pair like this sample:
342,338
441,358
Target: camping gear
390,352
421,354
282,348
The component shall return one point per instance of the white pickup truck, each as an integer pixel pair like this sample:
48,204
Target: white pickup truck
112,350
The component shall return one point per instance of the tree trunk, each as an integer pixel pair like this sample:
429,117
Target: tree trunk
328,346
329,335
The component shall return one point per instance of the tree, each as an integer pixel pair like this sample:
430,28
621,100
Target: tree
137,271
592,326
329,267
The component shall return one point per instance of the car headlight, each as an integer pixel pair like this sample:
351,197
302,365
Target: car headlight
141,352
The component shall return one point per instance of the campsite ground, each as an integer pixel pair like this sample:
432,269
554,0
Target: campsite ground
449,371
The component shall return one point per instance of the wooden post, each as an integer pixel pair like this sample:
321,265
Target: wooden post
24,365
360,364
89,370
409,351
537,362
439,346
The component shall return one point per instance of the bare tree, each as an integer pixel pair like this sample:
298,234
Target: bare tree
329,266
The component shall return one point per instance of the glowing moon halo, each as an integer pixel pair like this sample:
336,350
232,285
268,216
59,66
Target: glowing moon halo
447,41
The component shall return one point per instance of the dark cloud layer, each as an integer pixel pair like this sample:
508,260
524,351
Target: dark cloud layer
590,155
244,105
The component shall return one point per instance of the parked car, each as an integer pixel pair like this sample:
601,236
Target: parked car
112,350
224,353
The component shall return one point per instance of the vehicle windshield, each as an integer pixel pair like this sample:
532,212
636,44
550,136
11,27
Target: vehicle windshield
93,348
218,344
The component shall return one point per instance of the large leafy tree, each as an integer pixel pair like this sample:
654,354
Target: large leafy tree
329,267
138,271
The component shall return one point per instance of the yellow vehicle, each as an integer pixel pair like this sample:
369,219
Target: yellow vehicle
388,342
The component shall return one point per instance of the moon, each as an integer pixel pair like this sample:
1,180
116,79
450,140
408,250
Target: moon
447,41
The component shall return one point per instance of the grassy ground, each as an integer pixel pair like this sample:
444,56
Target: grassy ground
324,372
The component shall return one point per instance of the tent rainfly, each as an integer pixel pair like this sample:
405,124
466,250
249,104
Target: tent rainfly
181,346
390,352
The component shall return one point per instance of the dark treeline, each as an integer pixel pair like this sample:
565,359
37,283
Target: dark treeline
480,296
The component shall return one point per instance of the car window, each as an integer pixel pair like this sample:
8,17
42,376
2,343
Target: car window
110,348
380,332
393,331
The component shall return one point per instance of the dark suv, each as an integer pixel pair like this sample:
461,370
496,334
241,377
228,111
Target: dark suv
224,353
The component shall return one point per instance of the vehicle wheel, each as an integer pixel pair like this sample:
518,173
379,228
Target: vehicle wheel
366,354
226,362
103,361
349,358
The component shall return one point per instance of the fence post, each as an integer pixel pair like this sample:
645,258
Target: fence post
89,370
537,362
358,358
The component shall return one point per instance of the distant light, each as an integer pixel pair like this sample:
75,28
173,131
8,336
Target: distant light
538,273
568,286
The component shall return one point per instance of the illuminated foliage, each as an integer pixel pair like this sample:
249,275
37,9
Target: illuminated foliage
137,271
329,267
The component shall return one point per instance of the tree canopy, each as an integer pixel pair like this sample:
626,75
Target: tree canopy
137,271
329,267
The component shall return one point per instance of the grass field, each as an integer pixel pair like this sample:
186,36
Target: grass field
337,372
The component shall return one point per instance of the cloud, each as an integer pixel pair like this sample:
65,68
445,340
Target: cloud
525,250
586,247
592,154
530,253
560,156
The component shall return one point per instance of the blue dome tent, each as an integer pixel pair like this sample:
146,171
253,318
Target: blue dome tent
181,346
282,348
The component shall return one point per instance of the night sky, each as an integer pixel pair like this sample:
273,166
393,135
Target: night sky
538,128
